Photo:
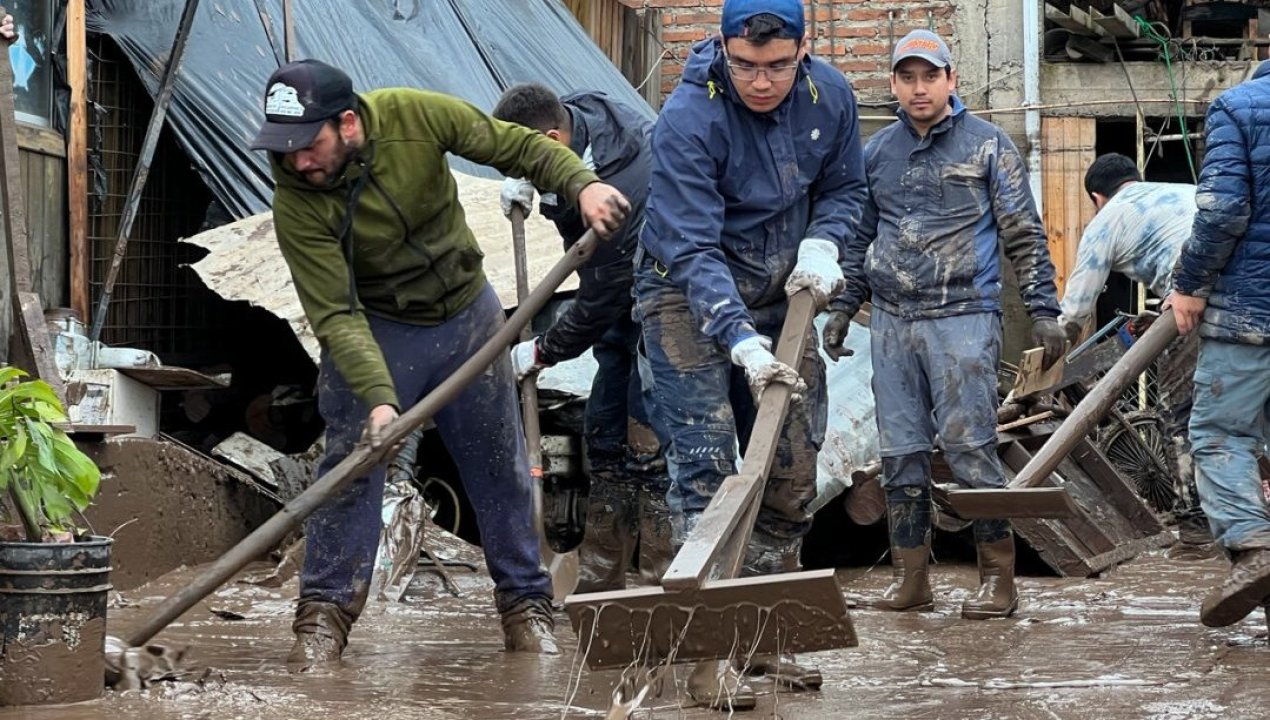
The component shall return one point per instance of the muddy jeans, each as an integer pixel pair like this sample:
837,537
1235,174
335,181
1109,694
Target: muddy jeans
937,378
619,435
628,477
704,405
1173,375
1229,428
482,431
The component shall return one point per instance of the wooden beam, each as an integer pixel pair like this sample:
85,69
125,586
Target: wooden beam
77,157
1118,24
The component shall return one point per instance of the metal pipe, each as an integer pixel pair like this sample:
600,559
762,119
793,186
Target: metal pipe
1032,97
1099,401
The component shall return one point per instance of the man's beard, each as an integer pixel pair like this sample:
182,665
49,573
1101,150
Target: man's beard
346,154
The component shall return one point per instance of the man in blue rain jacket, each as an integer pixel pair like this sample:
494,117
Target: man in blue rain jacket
757,184
946,191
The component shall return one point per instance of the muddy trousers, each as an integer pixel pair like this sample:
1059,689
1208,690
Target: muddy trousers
1174,372
935,384
702,401
626,505
1230,425
481,430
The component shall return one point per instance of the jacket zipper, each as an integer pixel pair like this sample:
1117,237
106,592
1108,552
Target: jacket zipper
405,229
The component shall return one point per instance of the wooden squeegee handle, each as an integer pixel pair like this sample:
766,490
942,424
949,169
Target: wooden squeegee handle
363,459
729,518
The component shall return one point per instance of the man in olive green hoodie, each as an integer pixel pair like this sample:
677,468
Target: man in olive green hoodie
367,216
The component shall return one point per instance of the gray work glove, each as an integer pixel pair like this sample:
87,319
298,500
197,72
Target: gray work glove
817,270
516,192
754,354
834,336
1047,333
525,360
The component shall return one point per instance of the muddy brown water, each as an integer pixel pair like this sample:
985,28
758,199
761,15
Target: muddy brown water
1127,645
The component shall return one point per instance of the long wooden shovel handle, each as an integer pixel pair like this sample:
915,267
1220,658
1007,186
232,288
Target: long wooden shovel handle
363,458
725,526
528,387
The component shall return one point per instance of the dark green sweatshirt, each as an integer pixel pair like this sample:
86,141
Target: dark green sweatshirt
414,259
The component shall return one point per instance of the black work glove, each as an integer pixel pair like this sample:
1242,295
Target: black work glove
1047,334
835,335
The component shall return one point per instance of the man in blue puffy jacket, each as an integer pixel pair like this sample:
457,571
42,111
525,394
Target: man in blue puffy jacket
1221,286
757,184
945,187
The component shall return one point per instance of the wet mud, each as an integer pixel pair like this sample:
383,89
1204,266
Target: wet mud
1126,645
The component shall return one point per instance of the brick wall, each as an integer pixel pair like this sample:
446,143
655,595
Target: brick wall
855,35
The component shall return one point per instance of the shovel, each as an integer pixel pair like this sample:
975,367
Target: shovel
1024,496
363,458
563,567
701,612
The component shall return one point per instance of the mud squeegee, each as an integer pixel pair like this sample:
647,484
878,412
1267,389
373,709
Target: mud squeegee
702,611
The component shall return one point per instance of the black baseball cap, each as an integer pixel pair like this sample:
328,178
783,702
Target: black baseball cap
299,98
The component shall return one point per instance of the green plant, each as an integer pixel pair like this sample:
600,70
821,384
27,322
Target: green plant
47,477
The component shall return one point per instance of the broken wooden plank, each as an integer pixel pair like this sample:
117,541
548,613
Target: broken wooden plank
1024,422
33,336
1032,376
1118,23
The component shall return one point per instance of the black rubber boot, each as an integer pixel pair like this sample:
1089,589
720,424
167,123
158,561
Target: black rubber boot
609,541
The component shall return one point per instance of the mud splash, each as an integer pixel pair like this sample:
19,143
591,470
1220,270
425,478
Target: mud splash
1126,645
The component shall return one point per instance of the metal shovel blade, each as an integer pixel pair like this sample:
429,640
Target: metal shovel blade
788,613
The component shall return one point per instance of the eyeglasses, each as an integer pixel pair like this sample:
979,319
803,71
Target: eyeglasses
774,73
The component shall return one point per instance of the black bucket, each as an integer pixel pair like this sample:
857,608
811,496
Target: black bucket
53,621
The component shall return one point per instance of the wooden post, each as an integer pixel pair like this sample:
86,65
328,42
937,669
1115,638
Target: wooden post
77,157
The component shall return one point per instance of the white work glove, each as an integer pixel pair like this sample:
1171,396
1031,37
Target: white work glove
817,270
516,192
762,368
525,360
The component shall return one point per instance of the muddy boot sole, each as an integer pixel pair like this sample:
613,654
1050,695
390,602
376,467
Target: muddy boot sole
881,604
1220,610
984,614
789,675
